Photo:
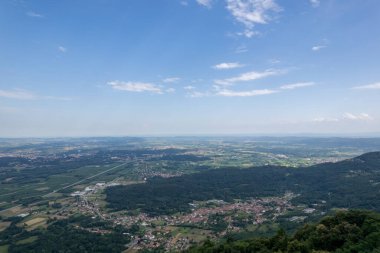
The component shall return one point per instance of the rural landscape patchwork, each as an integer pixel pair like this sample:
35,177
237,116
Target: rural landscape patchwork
169,194
189,126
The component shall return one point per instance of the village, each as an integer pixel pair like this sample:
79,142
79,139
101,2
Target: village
180,231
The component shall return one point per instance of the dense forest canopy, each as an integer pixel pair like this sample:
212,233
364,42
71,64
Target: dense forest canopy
69,235
352,231
352,183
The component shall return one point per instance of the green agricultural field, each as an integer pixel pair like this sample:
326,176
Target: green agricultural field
27,240
195,234
15,193
4,225
4,248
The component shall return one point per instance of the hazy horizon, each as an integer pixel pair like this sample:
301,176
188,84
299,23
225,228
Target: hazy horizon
220,135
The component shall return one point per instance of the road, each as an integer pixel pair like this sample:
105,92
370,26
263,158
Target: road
85,179
71,185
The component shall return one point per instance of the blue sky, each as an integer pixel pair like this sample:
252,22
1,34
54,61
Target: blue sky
173,67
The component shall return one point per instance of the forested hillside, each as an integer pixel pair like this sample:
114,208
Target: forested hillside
352,231
353,183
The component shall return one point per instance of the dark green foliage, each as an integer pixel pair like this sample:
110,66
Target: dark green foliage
217,223
171,195
352,231
29,200
56,205
342,184
66,236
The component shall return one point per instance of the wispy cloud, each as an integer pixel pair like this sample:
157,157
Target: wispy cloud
345,117
221,90
206,3
17,94
198,94
189,87
33,14
249,76
22,94
227,65
241,49
315,3
296,85
191,91
62,49
361,116
372,86
318,47
274,61
323,120
252,12
250,93
171,80
135,86
248,33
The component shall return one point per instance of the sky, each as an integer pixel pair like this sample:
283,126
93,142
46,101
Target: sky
189,67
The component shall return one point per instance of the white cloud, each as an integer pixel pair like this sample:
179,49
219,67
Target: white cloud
252,12
296,85
189,87
135,86
361,116
323,120
228,65
249,76
184,3
33,14
62,49
248,33
206,3
17,94
321,45
318,47
219,89
372,86
241,49
171,80
346,116
315,3
251,93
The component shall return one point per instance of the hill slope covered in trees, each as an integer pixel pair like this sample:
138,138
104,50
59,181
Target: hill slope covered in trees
352,231
353,183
